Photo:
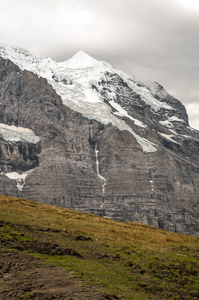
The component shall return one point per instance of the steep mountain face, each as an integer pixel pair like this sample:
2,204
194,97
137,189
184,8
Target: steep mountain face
83,135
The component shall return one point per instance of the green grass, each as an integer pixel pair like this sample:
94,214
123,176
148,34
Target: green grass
132,261
110,276
27,296
8,232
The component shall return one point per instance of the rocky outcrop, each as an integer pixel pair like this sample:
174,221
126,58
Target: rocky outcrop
96,167
18,156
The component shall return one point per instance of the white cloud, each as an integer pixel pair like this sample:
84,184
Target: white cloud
193,109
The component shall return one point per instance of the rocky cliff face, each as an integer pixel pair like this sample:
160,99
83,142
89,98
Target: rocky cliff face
85,136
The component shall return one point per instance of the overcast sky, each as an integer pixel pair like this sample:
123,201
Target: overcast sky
154,40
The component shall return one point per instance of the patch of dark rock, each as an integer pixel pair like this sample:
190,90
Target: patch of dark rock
117,256
40,247
53,230
134,266
142,285
103,256
130,264
3,223
110,297
83,238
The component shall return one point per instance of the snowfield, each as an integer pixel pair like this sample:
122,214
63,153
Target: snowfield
74,80
13,133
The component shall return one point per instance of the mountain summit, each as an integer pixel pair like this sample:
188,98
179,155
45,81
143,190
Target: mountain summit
81,60
84,135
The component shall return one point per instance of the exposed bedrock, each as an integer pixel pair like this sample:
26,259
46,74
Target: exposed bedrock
158,188
18,155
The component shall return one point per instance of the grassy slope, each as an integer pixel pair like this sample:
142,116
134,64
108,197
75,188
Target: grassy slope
131,261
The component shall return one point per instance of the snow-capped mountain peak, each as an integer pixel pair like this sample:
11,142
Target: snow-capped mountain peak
81,60
100,92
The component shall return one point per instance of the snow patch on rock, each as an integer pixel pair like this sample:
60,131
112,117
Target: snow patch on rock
144,92
121,112
13,133
175,119
168,137
20,178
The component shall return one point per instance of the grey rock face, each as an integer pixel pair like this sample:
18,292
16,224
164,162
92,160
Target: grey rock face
158,188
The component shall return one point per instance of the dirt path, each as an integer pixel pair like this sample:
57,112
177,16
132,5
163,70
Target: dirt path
25,277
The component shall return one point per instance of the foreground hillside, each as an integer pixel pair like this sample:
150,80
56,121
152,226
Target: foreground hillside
54,253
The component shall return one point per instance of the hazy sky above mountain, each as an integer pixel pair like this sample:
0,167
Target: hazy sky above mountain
154,40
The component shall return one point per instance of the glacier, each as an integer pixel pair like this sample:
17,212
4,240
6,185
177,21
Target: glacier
73,80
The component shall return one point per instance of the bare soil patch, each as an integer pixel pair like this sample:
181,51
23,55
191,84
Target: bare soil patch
26,277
